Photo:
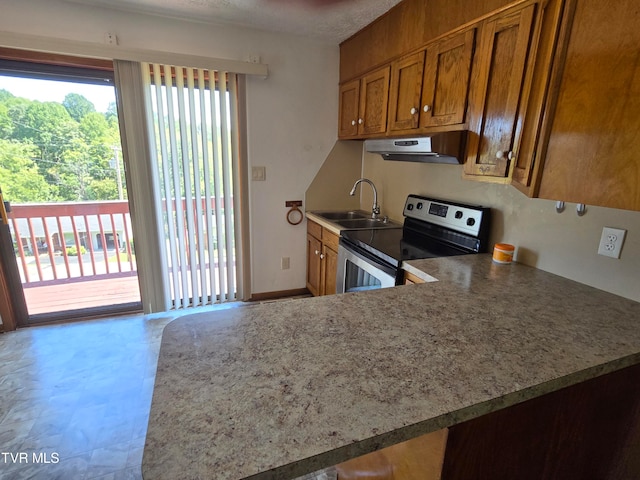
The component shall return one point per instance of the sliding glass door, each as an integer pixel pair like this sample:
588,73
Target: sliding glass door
61,169
121,205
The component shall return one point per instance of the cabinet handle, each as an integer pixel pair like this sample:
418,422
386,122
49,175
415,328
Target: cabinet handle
322,256
511,155
360,121
317,252
414,111
426,108
353,122
499,154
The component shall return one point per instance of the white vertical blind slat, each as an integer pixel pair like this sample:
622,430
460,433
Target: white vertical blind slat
187,184
226,183
207,176
217,182
197,261
235,145
169,205
176,243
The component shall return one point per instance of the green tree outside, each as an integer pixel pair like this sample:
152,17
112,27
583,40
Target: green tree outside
77,106
21,181
53,152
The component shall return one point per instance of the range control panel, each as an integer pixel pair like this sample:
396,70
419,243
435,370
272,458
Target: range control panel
455,216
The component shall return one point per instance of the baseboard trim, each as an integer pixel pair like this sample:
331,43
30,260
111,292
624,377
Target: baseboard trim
259,297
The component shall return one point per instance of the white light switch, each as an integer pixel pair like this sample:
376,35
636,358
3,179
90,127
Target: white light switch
258,174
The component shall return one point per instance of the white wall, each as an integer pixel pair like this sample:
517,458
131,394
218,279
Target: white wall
291,114
564,244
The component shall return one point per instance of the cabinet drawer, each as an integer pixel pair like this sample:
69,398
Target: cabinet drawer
330,239
314,229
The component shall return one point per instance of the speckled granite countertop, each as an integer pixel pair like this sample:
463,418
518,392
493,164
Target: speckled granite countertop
281,389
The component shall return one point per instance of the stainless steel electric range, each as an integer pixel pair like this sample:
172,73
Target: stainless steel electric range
372,258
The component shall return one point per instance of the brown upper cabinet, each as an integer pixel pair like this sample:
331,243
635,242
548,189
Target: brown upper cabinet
499,93
587,148
405,90
348,111
363,105
552,104
446,80
430,88
406,28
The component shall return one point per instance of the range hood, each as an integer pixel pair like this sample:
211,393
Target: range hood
444,147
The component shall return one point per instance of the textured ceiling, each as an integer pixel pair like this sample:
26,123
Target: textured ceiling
327,20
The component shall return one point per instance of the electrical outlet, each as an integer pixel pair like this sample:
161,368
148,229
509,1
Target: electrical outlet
611,242
284,263
110,38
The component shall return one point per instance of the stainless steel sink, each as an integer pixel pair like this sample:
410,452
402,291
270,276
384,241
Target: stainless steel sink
356,219
367,223
347,215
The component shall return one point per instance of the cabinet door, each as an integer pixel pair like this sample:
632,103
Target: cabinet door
330,270
594,128
348,111
554,19
588,430
420,458
374,98
314,265
496,104
404,96
411,279
445,87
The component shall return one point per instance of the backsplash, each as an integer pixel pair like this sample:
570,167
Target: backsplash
564,244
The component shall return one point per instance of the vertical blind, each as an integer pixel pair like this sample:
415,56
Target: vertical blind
194,123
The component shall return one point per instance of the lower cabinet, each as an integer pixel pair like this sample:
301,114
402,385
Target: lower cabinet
588,430
410,279
322,259
330,260
314,264
420,458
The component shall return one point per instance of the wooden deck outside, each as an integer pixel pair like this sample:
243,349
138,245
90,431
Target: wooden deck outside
85,294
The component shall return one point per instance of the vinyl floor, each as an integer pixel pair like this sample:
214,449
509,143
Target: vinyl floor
75,397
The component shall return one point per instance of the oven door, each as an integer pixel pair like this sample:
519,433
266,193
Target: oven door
358,270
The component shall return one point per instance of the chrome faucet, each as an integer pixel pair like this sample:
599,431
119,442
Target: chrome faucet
375,210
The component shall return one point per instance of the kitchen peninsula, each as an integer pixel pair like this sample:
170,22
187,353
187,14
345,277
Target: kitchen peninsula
281,389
